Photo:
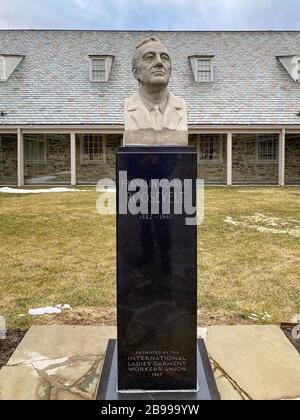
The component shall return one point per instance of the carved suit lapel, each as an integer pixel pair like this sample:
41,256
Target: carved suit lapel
139,113
173,114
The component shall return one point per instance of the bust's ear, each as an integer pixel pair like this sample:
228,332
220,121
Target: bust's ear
135,73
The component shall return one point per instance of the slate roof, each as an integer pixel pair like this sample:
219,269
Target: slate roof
51,86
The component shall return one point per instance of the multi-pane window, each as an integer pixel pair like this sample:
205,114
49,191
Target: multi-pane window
204,70
267,147
98,69
35,151
2,69
209,147
92,148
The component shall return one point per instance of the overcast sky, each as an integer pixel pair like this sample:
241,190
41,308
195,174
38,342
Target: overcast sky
150,14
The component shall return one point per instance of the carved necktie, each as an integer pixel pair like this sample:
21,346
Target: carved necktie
157,118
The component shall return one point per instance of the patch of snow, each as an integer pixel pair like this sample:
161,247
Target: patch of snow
48,310
8,190
260,317
202,333
253,319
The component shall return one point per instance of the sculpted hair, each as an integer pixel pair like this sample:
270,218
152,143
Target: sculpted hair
145,41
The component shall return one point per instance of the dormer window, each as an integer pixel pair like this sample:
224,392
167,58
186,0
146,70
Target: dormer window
100,67
292,65
98,70
202,67
204,70
8,64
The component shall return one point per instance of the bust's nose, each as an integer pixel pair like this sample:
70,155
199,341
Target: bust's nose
158,61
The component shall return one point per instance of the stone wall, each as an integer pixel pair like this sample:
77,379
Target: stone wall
57,167
212,172
246,169
8,159
92,172
292,159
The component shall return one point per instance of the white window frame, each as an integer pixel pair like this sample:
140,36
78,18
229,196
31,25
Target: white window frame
259,139
92,162
36,162
92,60
2,59
199,59
220,148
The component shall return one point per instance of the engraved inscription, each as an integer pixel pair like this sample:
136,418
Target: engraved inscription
157,363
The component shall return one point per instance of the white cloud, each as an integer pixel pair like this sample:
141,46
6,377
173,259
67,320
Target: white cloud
151,14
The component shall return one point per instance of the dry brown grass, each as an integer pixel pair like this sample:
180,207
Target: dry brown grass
55,248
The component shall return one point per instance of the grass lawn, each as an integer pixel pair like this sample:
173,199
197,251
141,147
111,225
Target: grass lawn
56,249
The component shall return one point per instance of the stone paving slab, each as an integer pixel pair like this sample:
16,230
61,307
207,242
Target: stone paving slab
57,363
62,341
22,383
260,360
65,363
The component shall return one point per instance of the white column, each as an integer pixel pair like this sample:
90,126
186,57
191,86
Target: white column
281,163
20,158
229,159
104,147
73,159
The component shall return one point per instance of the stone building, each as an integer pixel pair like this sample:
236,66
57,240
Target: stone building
62,95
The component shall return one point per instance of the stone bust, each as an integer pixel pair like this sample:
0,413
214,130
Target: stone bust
153,115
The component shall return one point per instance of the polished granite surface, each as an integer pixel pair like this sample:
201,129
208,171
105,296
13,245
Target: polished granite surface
157,275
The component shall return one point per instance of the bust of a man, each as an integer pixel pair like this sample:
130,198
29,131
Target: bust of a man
153,115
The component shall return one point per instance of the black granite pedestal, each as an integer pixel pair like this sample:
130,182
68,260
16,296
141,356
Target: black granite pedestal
206,385
157,351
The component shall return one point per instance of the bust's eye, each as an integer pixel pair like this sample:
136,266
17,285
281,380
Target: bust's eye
148,57
165,57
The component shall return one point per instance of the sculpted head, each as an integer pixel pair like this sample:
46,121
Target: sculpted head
151,65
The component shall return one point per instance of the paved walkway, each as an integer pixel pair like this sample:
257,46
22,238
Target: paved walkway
65,363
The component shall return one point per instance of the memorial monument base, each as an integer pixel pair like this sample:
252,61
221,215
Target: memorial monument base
108,388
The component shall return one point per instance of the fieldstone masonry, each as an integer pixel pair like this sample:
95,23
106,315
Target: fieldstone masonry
292,157
92,172
57,166
246,169
8,159
214,172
